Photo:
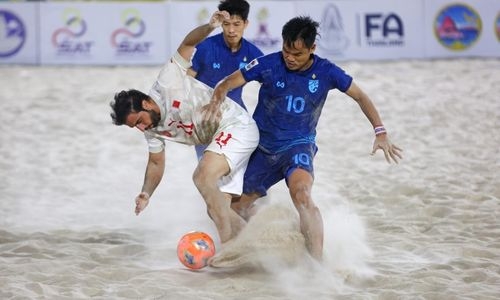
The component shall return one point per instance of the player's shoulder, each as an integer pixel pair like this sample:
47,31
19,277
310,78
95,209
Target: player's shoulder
213,41
252,47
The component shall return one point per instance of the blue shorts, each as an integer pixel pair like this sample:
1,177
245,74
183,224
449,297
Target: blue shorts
266,169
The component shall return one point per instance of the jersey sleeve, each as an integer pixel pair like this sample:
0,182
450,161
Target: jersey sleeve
199,56
252,71
155,145
181,62
340,79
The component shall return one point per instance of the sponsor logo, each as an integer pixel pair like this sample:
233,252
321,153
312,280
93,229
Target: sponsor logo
127,39
12,33
333,39
263,37
216,66
202,16
280,84
457,27
382,30
68,40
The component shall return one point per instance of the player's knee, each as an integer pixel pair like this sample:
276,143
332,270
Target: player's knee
302,197
202,178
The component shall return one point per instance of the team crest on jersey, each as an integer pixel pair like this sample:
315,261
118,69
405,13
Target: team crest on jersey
313,85
251,64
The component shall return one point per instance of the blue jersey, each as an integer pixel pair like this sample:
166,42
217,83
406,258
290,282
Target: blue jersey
214,60
290,102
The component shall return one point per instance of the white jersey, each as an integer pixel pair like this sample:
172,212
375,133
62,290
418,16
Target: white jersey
180,98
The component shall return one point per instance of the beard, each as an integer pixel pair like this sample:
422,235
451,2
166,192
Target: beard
155,118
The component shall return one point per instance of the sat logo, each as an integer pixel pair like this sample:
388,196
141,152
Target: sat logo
127,39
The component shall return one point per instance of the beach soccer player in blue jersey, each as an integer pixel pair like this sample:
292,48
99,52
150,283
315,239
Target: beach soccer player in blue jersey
222,54
294,87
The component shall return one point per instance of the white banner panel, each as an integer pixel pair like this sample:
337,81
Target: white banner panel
383,29
103,33
18,33
266,22
185,16
462,28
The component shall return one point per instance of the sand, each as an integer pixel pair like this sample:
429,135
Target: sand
427,228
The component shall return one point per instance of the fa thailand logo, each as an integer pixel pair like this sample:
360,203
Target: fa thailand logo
457,27
333,38
313,85
383,30
243,63
216,65
12,33
126,39
68,39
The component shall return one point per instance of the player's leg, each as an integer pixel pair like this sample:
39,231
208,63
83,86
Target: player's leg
300,184
244,205
211,168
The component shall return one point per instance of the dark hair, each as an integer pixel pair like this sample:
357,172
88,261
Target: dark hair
126,102
300,28
235,7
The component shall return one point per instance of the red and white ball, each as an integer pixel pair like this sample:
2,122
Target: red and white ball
194,249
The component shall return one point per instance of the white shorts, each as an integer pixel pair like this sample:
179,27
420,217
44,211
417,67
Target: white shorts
236,143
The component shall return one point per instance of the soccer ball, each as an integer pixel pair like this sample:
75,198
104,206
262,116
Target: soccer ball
194,249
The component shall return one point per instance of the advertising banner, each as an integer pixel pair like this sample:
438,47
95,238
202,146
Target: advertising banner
185,16
266,18
383,29
18,33
462,28
266,21
103,33
148,33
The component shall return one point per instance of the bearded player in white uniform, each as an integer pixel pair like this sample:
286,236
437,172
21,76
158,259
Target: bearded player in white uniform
173,111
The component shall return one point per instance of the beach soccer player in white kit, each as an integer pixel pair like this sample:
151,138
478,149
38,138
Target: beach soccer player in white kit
173,111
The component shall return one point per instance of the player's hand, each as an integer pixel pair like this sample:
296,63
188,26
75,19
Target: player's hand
211,116
391,151
217,18
141,201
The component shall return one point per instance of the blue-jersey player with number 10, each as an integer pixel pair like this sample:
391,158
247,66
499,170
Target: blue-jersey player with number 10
294,87
222,54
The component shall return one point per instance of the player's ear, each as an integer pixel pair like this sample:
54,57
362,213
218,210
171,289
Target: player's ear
246,23
147,104
313,48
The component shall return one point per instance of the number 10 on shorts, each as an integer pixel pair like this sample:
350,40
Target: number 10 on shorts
301,159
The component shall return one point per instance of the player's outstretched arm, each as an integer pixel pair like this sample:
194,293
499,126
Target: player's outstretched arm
186,48
153,176
382,141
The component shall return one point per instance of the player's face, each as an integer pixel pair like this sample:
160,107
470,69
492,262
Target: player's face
233,29
298,57
143,120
